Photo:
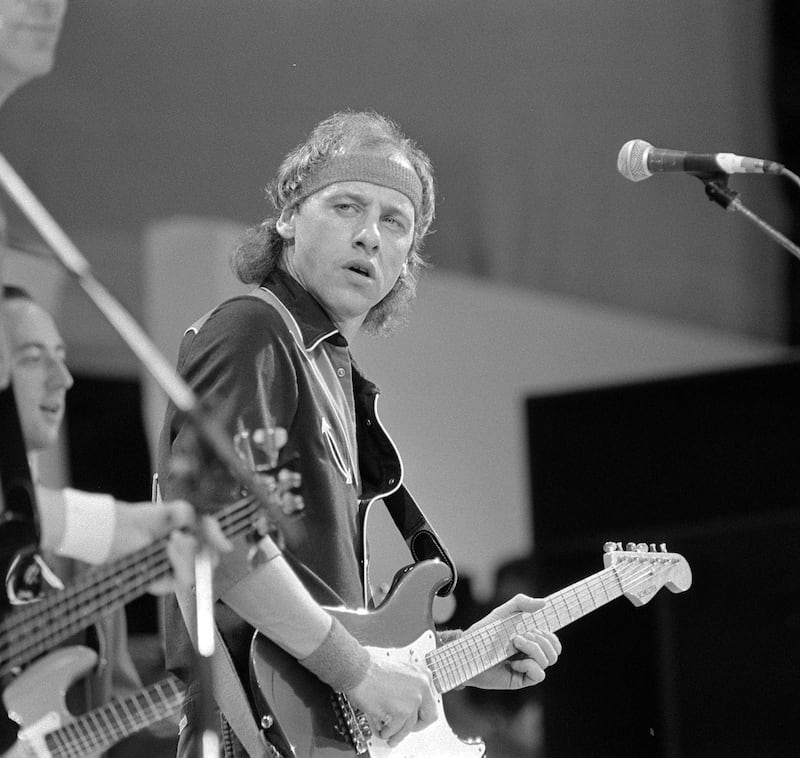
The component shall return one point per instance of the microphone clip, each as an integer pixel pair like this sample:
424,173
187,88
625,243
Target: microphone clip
717,189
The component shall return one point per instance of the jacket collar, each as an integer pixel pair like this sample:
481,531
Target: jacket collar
315,325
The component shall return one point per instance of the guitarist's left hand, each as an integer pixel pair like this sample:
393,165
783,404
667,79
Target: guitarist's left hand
530,653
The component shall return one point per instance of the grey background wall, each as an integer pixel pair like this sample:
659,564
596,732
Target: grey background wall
158,108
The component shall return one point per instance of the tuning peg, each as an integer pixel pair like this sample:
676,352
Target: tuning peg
630,547
663,547
270,440
610,547
641,547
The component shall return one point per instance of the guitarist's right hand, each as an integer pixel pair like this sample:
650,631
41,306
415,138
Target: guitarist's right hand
396,697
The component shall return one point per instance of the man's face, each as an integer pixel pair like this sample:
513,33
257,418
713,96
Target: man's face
350,241
38,371
29,32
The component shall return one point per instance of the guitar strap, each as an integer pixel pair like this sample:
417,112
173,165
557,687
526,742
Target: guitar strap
229,691
423,542
20,563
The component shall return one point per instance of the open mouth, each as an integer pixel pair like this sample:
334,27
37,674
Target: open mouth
362,270
50,410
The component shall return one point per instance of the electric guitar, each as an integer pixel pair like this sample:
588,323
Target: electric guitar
302,716
36,700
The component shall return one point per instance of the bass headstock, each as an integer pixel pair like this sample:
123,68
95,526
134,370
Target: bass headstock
261,451
643,569
201,477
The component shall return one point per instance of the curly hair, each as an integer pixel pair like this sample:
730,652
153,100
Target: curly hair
259,251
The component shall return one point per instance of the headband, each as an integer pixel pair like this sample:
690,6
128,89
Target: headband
366,167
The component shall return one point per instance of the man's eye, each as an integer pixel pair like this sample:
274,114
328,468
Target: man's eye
395,222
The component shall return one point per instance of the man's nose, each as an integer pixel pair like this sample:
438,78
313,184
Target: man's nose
369,236
59,375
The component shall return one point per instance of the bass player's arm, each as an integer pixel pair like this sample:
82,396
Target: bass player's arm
98,528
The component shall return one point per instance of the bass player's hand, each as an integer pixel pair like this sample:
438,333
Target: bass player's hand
396,697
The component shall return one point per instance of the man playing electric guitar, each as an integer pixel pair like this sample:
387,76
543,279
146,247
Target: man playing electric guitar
341,253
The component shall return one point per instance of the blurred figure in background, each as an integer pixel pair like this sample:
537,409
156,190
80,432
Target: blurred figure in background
41,377
29,33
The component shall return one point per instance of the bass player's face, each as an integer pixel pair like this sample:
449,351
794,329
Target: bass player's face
38,370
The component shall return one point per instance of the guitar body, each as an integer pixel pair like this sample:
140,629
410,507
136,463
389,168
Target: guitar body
314,722
36,699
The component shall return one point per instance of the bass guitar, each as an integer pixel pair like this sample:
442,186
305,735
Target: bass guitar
304,717
36,700
30,631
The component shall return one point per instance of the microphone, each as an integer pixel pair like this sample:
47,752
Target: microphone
639,160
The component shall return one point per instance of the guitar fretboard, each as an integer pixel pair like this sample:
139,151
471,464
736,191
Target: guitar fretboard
96,731
29,631
476,651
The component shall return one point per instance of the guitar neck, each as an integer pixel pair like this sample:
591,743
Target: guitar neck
98,730
28,631
477,650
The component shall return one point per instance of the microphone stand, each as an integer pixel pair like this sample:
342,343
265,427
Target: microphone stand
717,189
181,395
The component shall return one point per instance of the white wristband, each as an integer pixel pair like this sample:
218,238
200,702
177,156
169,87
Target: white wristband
89,521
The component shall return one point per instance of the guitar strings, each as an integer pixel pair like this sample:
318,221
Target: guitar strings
582,595
462,659
88,732
486,640
458,661
27,631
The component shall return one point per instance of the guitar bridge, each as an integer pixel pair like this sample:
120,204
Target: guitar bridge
352,725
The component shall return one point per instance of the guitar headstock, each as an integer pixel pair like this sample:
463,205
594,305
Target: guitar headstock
644,569
260,450
201,477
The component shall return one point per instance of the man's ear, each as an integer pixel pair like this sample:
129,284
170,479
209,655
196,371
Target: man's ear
285,224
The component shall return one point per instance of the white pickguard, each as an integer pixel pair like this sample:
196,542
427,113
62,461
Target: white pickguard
437,740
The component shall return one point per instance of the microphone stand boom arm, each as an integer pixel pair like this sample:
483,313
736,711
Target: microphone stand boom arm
177,390
717,189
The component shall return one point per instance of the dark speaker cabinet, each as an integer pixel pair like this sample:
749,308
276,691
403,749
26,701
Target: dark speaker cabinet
708,464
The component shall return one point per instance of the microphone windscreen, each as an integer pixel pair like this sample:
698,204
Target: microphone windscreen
631,161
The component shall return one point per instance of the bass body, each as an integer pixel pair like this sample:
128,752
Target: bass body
36,700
